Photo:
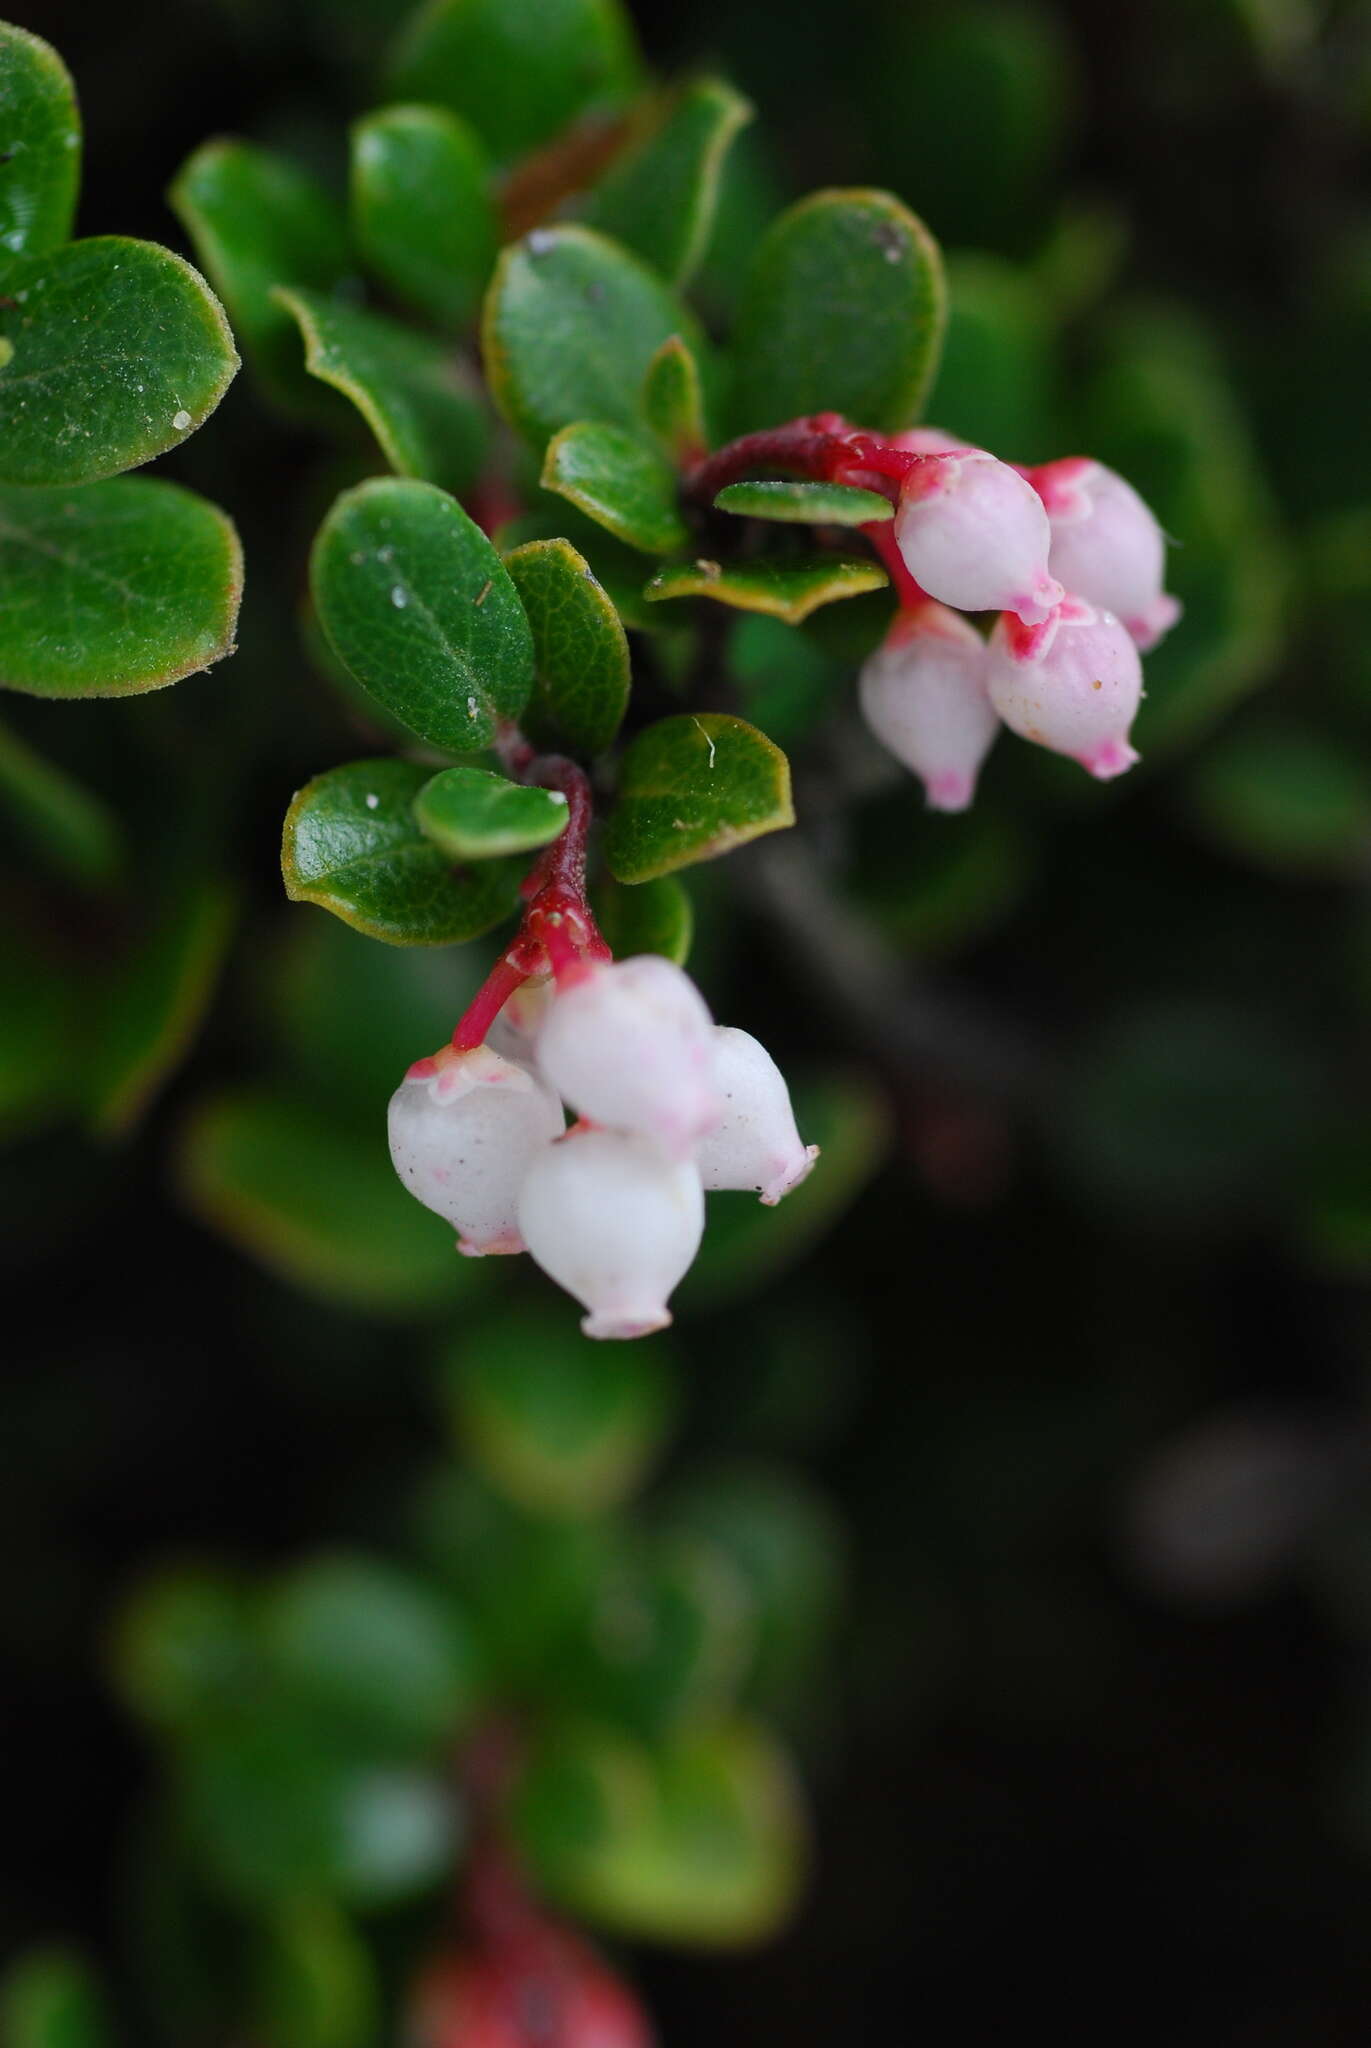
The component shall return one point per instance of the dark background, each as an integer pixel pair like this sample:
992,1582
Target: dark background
1092,1416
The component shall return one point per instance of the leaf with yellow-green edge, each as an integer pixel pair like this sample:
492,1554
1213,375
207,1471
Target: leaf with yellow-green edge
418,605
692,788
674,403
114,588
842,311
111,352
158,1001
660,197
649,917
422,210
570,324
700,1840
257,220
580,651
40,145
788,590
71,829
805,503
616,567
411,390
518,70
618,481
352,845
318,1204
472,814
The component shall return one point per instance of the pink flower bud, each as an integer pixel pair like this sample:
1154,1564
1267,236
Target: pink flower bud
630,1046
756,1143
1106,545
923,695
929,441
1072,684
615,1222
973,533
463,1128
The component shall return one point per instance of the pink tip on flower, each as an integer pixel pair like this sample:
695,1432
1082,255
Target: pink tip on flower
1155,621
1074,689
923,695
973,533
1107,544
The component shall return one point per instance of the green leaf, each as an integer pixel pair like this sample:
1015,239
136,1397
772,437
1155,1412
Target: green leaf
558,1423
369,1653
800,503
314,1981
580,649
571,322
111,352
114,588
317,1204
182,1648
619,482
661,197
72,830
40,145
277,1814
151,1015
518,70
411,391
49,1998
747,1246
353,846
421,609
618,569
700,1842
674,403
692,788
782,589
257,220
422,211
1292,800
653,917
842,311
471,814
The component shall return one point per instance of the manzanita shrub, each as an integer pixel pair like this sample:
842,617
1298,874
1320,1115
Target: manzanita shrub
578,481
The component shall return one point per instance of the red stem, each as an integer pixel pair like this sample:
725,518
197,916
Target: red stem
822,448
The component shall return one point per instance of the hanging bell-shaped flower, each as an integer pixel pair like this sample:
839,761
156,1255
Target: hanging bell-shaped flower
923,694
756,1143
1107,546
973,534
630,1046
1072,686
463,1128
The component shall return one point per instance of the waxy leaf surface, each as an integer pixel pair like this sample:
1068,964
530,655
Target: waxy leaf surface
580,649
618,481
422,213
783,590
692,788
40,145
662,196
804,503
471,814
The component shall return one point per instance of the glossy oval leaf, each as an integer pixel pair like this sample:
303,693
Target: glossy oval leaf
352,845
805,503
692,788
782,590
651,917
257,220
673,402
518,70
111,352
420,608
620,482
471,814
422,212
317,1204
662,195
580,649
152,1012
40,145
71,829
842,311
571,322
412,391
114,588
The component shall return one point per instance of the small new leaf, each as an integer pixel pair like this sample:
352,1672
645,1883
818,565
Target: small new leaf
117,350
422,211
352,845
619,482
805,503
692,788
662,196
40,145
673,402
783,590
420,608
580,649
470,814
411,391
654,917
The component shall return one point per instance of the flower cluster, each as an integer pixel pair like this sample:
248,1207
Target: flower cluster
1072,560
668,1104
